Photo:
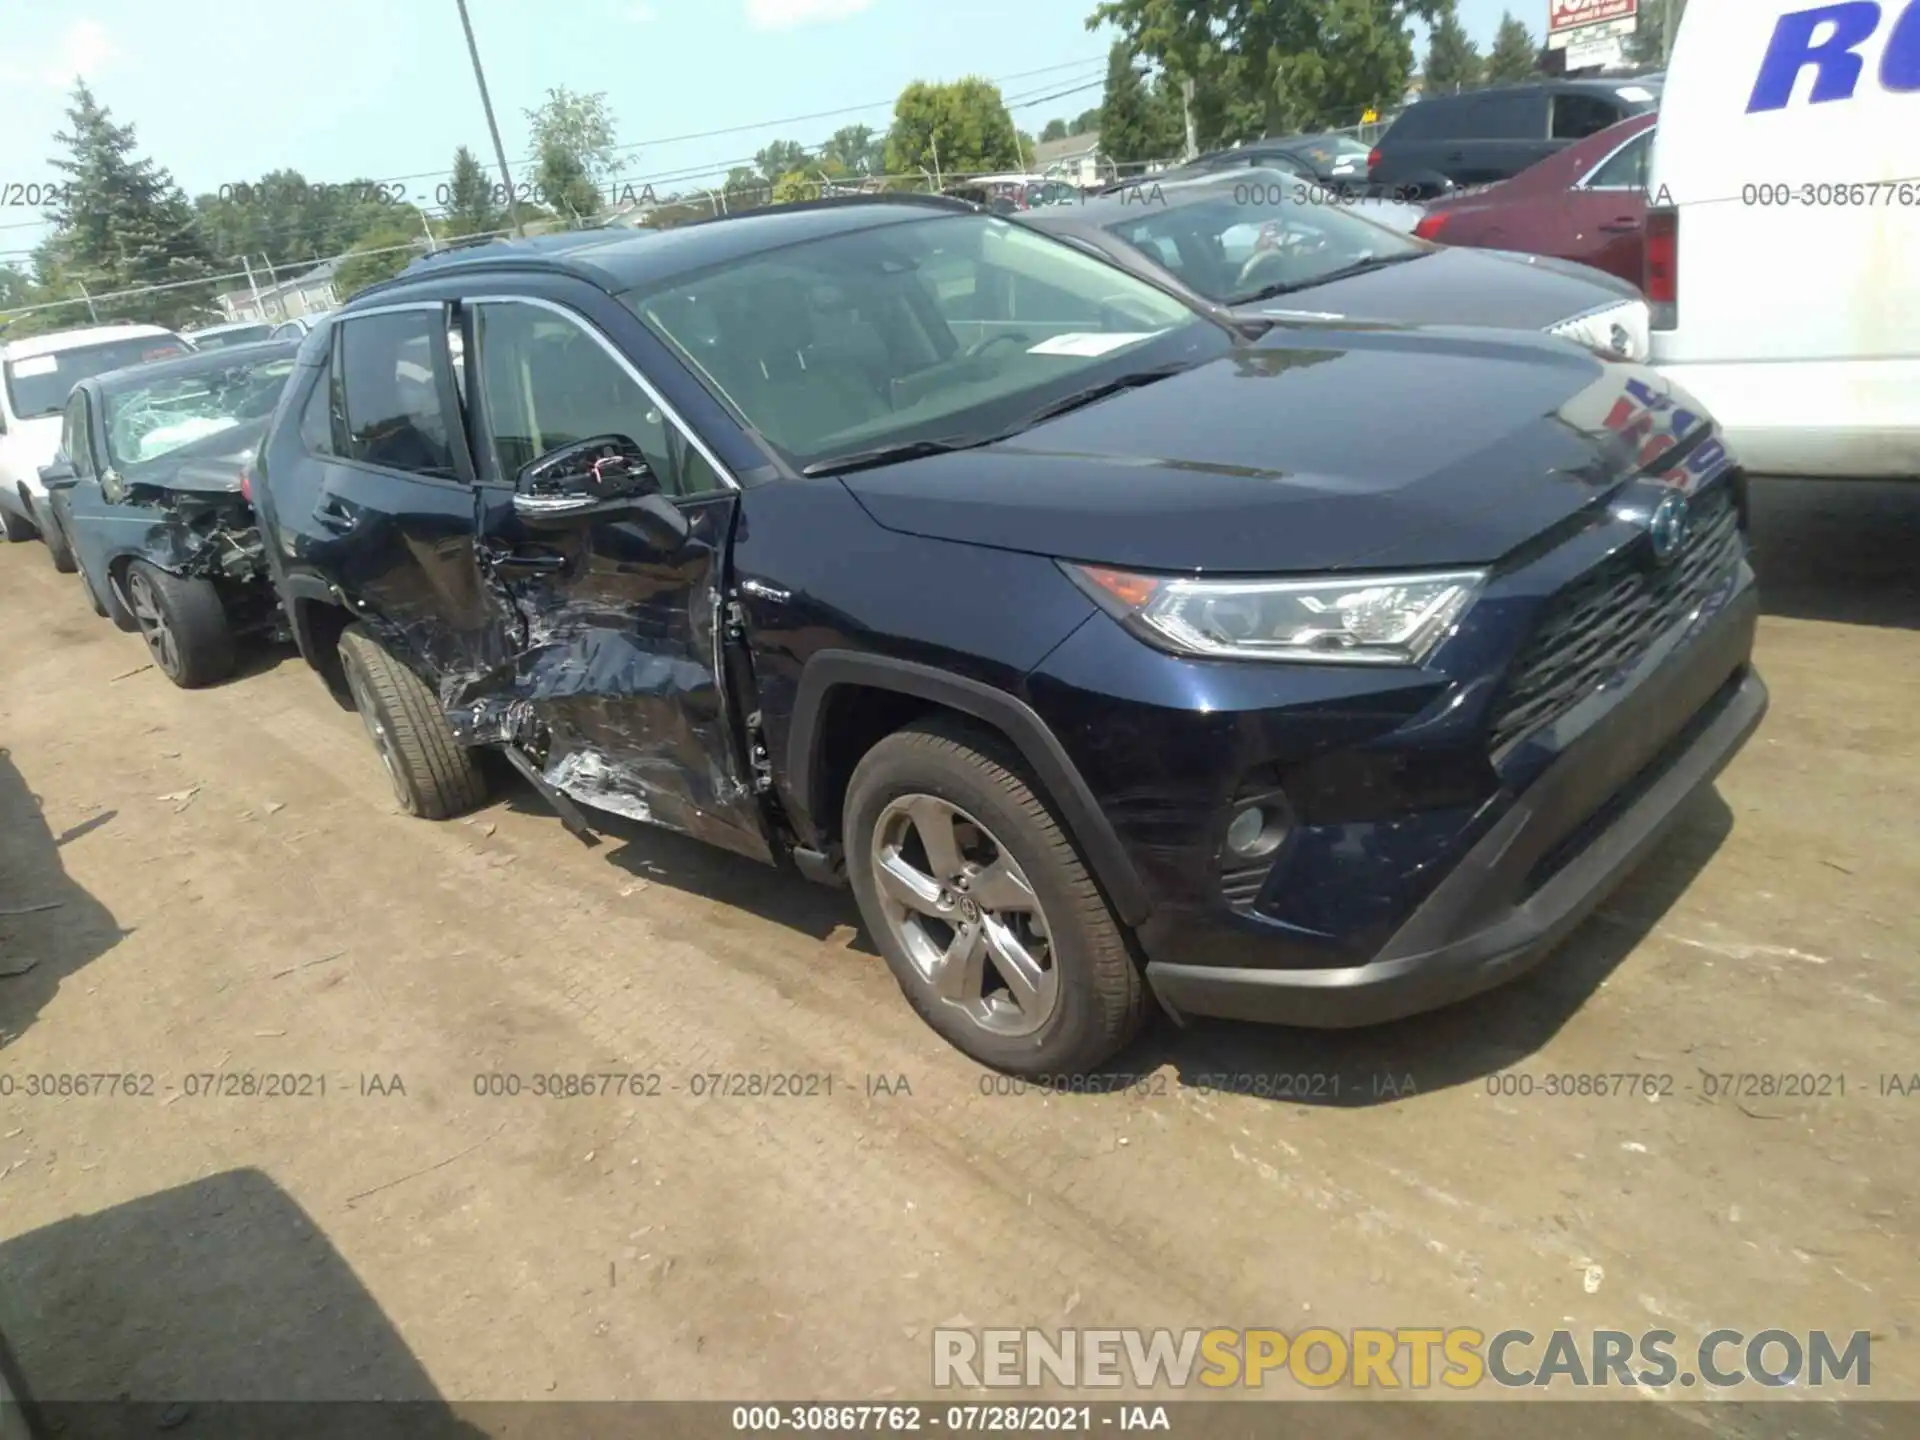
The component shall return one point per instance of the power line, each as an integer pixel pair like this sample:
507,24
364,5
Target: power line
1012,102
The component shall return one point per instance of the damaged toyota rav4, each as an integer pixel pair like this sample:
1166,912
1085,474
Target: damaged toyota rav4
1110,655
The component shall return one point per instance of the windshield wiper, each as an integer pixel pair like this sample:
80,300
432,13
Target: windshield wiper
1132,380
890,454
1359,267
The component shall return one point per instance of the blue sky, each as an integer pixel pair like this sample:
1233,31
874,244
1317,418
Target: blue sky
223,90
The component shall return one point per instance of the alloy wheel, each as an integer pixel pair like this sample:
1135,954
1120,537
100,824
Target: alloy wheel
377,731
963,911
144,601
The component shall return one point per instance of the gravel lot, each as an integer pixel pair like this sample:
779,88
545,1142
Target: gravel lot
236,893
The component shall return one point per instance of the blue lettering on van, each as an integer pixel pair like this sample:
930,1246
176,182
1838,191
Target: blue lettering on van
1836,67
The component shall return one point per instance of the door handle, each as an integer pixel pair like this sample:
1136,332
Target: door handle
330,514
526,562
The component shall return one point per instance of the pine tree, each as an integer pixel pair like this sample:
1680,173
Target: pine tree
470,204
1453,60
1514,55
122,222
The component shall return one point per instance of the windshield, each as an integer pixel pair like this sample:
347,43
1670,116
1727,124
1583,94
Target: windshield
145,422
1242,242
38,385
955,327
220,339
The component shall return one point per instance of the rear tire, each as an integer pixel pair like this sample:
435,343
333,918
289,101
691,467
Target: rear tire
1020,886
184,624
432,774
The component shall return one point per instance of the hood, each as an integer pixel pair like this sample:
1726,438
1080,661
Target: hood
1460,287
211,464
1318,449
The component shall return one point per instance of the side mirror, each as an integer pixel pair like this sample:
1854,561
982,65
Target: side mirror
605,478
59,475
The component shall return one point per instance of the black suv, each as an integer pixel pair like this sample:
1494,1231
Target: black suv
1480,136
1321,677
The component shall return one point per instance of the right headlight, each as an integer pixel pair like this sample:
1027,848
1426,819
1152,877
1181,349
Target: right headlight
1355,620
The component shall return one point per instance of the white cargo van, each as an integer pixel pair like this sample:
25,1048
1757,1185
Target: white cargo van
36,375
1783,231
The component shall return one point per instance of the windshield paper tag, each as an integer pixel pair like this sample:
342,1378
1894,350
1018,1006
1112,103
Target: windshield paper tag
1089,344
36,365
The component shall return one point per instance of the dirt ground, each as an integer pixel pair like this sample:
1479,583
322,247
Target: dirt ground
236,893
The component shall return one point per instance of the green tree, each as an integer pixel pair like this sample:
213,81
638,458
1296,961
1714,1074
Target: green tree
470,197
745,189
1648,43
858,149
381,255
1514,55
961,128
1262,67
1453,61
1138,121
780,157
122,222
561,181
1083,122
1055,130
581,129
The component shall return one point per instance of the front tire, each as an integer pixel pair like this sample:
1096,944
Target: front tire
433,775
184,624
16,528
984,911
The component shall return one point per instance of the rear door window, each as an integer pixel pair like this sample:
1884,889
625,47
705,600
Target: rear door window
1626,168
394,416
1577,114
1509,115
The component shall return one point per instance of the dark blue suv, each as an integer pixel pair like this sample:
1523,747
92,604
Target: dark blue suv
1320,675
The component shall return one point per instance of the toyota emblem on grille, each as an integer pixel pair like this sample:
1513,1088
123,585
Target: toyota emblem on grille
1667,526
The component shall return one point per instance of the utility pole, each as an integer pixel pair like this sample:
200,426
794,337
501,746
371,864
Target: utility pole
89,299
1666,33
433,247
1186,112
934,140
493,127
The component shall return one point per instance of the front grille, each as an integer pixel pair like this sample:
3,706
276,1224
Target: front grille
1604,622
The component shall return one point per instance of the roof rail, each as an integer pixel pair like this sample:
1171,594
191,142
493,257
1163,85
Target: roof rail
479,258
952,203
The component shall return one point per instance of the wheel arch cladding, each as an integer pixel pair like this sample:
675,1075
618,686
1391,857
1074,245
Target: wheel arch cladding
824,746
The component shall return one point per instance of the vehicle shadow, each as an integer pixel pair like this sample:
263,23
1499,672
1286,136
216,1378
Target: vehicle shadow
1460,1044
662,857
50,926
211,1310
1838,550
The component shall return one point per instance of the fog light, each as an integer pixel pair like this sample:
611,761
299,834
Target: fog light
1255,833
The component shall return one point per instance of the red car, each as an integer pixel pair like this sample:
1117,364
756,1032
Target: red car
1587,203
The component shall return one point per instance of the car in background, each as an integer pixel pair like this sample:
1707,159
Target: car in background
1006,194
1789,151
1259,185
36,374
1588,203
1105,650
151,492
240,332
1337,164
1256,245
1479,137
296,328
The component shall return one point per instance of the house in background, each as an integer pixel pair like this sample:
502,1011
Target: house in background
1074,158
311,293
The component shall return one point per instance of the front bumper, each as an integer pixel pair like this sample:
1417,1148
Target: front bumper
1449,948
